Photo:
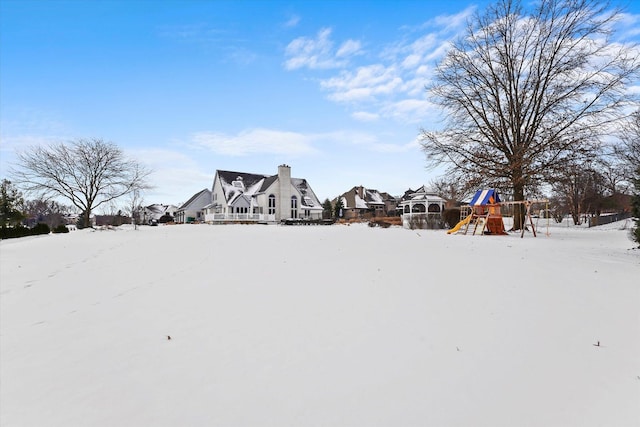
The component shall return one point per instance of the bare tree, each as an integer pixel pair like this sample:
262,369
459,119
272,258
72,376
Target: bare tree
579,190
134,207
87,172
453,188
628,151
525,92
48,212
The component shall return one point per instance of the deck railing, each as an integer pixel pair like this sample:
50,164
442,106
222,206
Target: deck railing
240,217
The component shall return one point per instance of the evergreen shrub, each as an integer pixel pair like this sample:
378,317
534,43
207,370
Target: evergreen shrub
40,228
61,229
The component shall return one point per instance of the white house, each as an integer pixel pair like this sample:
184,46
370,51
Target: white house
155,212
421,209
192,209
240,196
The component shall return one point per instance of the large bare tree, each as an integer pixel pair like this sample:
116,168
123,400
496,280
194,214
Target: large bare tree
628,151
87,172
526,91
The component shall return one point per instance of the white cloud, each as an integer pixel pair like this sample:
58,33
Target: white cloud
394,84
318,52
368,141
453,22
293,21
255,141
348,48
410,110
364,116
366,83
176,174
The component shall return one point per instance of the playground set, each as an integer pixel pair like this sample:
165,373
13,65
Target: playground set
485,214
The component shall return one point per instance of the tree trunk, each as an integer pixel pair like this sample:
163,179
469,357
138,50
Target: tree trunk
87,219
519,209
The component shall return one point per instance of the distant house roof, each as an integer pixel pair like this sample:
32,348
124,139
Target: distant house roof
193,199
420,194
364,198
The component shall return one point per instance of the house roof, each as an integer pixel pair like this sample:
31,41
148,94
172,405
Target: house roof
420,194
363,198
194,198
239,184
309,199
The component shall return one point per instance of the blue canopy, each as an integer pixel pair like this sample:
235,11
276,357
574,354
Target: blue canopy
485,197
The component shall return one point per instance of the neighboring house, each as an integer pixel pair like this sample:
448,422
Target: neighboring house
421,206
193,209
156,211
241,196
361,202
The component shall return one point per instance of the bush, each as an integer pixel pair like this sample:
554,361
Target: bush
61,229
164,219
13,232
21,231
451,216
40,228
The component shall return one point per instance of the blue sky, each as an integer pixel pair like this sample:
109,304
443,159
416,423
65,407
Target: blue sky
335,89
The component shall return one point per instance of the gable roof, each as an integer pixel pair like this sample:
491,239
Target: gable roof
241,184
235,184
309,199
368,199
194,198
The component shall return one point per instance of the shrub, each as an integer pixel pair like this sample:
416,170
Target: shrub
13,232
379,223
417,222
164,219
40,228
451,216
61,229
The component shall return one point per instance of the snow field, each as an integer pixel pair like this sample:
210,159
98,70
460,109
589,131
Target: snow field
325,325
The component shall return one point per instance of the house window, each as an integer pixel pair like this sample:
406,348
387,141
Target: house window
294,207
307,213
272,204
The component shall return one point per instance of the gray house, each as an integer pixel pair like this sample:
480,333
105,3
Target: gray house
192,209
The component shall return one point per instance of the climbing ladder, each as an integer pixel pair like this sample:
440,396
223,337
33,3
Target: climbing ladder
480,221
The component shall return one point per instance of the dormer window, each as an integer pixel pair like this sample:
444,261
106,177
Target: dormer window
238,183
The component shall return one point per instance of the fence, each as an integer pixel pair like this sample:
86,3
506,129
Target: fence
608,218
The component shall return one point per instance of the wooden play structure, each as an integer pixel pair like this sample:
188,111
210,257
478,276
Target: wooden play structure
484,214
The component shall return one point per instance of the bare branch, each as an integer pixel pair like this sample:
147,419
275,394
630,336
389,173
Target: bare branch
87,172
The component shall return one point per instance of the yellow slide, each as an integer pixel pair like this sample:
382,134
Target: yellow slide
460,224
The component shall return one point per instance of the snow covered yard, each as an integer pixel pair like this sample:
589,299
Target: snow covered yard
319,326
